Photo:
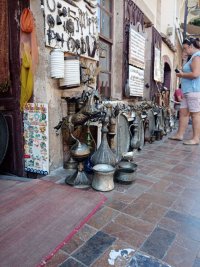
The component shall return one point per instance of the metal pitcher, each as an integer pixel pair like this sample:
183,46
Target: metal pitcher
135,142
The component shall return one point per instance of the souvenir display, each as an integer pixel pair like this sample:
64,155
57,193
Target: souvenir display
73,25
36,138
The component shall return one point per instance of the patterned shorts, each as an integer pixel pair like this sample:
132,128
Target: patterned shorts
191,101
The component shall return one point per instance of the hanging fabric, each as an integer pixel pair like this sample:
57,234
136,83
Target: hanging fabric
26,76
28,35
29,55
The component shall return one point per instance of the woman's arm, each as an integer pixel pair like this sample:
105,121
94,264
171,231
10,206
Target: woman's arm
179,97
195,73
174,101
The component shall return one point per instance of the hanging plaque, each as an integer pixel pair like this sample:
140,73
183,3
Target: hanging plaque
136,81
36,137
157,65
136,49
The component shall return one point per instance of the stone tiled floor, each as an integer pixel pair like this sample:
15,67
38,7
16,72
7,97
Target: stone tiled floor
153,222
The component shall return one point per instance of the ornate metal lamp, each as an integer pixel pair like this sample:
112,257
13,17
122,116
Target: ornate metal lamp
80,152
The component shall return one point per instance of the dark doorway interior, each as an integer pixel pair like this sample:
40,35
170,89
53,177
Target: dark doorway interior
167,81
167,76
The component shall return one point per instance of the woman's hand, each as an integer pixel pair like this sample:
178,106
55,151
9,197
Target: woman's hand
180,74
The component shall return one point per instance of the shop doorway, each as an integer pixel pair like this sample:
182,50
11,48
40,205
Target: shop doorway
167,75
167,82
10,85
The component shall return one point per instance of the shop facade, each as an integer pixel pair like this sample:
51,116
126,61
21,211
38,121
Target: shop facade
106,58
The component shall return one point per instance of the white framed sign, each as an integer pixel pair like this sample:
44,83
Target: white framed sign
73,26
157,65
136,49
36,138
136,81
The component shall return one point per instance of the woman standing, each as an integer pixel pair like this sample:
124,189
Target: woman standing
190,84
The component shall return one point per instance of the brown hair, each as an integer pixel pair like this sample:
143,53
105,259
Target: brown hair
192,41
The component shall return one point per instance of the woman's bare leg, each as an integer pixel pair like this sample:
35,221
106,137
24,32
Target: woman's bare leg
184,115
196,129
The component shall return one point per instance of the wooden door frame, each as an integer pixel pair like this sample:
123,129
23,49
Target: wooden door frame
11,104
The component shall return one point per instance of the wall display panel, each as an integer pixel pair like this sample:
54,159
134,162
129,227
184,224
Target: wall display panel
73,26
36,138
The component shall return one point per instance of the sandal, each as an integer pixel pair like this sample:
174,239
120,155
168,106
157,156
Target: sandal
190,143
175,138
